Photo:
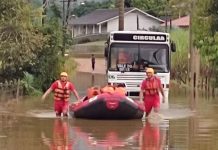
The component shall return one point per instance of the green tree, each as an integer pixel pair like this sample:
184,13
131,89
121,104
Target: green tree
27,46
19,39
50,60
206,35
128,3
51,55
179,8
91,6
179,61
153,7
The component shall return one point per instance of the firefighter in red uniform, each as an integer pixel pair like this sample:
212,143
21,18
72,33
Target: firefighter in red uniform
62,89
150,89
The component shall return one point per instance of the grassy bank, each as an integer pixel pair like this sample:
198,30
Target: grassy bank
85,50
70,65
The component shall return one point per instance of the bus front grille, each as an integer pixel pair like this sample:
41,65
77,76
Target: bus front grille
131,77
133,84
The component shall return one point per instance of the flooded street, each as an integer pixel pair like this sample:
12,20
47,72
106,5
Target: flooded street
190,123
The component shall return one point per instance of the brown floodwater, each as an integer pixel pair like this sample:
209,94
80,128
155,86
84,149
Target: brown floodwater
189,123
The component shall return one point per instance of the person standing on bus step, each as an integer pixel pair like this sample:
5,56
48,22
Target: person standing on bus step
150,88
93,62
62,89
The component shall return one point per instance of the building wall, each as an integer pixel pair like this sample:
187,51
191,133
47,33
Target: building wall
75,31
112,25
147,22
130,22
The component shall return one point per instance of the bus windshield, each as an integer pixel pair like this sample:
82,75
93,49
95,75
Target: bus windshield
136,57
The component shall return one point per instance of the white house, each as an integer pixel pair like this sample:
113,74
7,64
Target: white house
106,20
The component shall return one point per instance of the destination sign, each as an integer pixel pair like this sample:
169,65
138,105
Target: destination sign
140,37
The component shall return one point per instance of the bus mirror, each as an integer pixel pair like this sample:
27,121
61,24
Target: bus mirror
173,47
106,50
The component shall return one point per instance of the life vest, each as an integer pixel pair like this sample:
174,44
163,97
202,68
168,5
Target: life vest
93,91
120,91
62,93
108,89
151,86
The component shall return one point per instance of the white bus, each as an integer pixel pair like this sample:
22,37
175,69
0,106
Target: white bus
128,53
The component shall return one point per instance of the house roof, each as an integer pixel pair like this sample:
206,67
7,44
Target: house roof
179,22
100,16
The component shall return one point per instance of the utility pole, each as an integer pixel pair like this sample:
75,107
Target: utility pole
68,10
121,14
65,22
167,12
63,11
192,59
166,19
190,54
44,4
194,54
63,28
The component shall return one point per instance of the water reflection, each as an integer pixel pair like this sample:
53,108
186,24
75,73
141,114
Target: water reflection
193,99
60,139
93,80
183,131
120,135
153,137
108,134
